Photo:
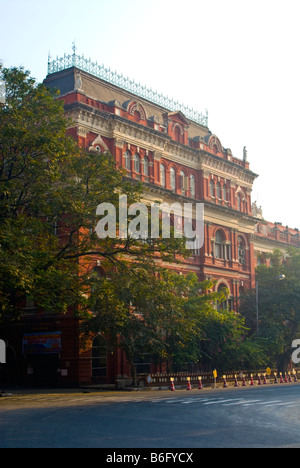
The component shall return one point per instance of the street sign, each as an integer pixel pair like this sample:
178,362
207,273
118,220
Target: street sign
268,371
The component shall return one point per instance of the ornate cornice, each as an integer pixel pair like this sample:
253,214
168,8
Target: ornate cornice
113,126
221,167
271,242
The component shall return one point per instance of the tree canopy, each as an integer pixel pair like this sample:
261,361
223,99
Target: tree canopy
51,255
278,301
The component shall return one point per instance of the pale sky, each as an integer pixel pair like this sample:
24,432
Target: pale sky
237,58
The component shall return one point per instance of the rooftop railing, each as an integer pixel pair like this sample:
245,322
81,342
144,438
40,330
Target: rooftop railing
106,74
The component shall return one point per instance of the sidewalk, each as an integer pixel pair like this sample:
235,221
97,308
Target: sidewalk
48,391
14,391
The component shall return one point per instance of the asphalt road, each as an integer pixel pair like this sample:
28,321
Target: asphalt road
267,416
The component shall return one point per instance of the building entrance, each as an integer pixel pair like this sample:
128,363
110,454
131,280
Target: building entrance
43,369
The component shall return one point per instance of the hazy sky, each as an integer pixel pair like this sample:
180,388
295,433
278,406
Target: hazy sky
237,58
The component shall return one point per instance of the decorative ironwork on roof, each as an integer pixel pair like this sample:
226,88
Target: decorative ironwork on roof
125,83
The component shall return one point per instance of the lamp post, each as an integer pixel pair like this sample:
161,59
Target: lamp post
279,278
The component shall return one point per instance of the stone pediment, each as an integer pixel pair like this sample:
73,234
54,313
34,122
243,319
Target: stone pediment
213,142
178,116
98,143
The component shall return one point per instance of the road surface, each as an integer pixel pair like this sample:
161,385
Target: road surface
267,416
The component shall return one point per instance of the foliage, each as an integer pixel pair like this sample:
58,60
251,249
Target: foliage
34,155
157,311
49,192
278,307
50,253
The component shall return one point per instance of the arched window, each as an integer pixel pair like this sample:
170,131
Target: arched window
137,163
219,245
222,287
224,192
137,116
178,133
146,166
182,182
240,203
223,305
135,109
162,175
218,190
173,179
212,188
241,250
99,357
127,160
192,185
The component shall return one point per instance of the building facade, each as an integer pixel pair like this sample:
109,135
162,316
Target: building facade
171,150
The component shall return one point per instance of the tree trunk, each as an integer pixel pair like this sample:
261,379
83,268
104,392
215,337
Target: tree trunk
284,361
133,373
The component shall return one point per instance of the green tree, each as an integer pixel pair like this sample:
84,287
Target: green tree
49,192
154,310
217,336
34,155
278,307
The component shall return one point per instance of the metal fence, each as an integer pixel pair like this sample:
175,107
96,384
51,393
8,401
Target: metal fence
126,83
207,378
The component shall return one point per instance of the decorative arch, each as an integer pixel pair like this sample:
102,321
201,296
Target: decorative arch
178,132
221,245
178,126
170,164
220,229
214,142
98,145
243,238
134,108
227,303
221,282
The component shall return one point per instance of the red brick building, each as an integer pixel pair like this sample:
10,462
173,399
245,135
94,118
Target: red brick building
170,148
